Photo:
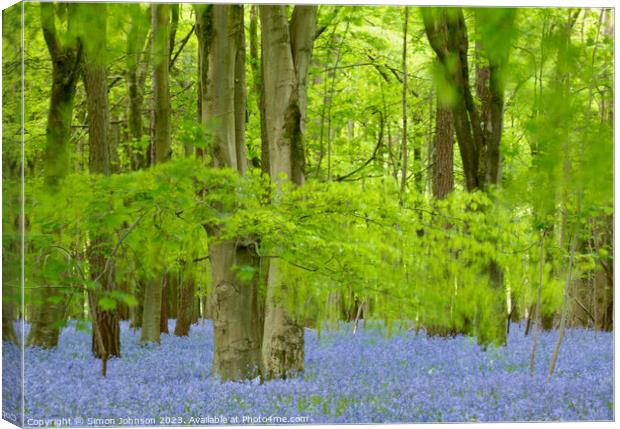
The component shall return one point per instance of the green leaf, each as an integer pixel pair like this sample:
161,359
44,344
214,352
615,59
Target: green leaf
107,303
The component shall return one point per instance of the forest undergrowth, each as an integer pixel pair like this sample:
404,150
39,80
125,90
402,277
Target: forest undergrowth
367,377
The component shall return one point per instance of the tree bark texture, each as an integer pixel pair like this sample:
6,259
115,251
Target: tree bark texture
443,153
286,54
66,53
478,129
236,335
160,45
186,299
237,346
151,317
106,324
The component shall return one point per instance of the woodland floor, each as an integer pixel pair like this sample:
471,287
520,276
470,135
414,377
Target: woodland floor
367,377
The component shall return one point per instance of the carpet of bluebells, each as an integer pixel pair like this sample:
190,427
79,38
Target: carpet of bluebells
362,378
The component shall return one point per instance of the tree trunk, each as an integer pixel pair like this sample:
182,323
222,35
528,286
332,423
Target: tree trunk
237,347
106,323
240,93
173,294
11,299
204,32
152,311
478,129
187,299
165,299
160,22
403,173
137,312
285,56
256,64
160,152
45,320
65,52
565,305
136,74
443,153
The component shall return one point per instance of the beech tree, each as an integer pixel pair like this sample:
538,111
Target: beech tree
235,312
177,177
160,152
286,52
65,51
106,325
137,70
478,129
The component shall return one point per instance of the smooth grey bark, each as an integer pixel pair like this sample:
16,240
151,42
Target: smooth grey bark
237,346
219,104
151,315
237,349
160,152
137,66
284,60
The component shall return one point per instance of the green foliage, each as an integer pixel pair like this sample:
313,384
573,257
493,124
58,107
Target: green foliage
346,241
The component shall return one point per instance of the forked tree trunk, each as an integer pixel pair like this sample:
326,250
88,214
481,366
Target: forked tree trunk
478,129
237,346
285,56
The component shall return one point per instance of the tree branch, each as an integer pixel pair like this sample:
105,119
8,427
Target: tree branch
183,43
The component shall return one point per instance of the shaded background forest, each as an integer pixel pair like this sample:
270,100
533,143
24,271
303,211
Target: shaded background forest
274,167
